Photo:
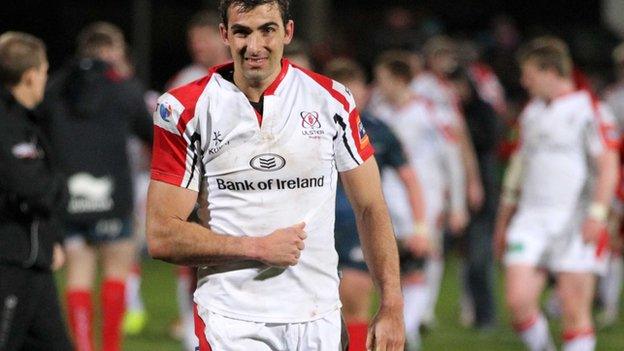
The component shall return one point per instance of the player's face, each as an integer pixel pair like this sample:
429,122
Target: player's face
389,86
534,79
256,39
205,45
39,79
443,62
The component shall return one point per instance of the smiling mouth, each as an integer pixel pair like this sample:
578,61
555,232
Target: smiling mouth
256,61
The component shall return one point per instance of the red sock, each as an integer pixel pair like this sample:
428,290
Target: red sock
113,308
80,311
357,336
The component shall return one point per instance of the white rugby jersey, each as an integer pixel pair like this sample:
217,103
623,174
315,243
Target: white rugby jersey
255,178
557,143
432,151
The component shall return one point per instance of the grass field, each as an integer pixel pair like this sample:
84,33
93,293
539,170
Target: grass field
159,296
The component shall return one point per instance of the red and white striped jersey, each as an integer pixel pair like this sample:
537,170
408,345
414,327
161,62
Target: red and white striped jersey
558,139
254,178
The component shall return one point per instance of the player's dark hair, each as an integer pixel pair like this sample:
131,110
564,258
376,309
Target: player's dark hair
97,36
398,64
19,52
547,52
204,18
344,70
248,5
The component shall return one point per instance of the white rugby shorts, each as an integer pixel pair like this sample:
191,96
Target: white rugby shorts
220,333
545,240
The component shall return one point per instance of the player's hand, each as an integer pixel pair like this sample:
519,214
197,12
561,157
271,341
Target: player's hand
58,257
418,245
282,248
457,221
476,196
592,229
387,331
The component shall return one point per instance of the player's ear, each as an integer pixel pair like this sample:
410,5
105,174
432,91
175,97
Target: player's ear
224,33
289,32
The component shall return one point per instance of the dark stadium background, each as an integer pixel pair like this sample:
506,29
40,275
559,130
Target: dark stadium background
156,29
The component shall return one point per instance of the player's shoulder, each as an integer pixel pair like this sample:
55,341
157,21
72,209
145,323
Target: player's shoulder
339,93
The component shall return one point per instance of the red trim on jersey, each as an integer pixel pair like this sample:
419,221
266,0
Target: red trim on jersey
605,129
524,326
447,130
168,157
603,243
188,95
363,145
258,116
570,335
328,85
200,328
270,90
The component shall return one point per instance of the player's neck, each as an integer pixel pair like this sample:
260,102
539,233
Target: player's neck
251,88
561,88
24,95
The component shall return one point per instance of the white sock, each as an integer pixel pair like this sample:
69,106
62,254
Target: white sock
134,302
581,341
611,284
415,298
535,335
433,278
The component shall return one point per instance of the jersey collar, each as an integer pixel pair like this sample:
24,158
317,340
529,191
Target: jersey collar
270,90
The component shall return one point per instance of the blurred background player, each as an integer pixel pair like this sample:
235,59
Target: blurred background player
356,286
32,189
559,184
435,156
440,59
90,111
476,244
205,47
610,285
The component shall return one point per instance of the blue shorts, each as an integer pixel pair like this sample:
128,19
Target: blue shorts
346,235
101,231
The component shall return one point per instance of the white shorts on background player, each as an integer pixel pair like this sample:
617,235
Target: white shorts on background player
253,179
228,334
558,142
433,153
534,239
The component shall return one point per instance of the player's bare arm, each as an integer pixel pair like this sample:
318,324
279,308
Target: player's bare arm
363,189
172,239
607,176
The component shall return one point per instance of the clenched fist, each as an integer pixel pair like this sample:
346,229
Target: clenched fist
282,248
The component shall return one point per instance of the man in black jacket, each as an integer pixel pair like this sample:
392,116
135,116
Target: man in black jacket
30,193
90,111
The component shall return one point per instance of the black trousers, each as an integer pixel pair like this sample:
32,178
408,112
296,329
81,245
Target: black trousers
30,316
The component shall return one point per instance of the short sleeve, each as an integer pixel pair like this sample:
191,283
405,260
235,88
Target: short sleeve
352,144
176,151
601,133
